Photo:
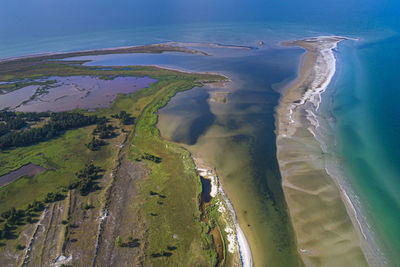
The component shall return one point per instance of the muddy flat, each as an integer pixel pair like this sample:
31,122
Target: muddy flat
27,170
68,93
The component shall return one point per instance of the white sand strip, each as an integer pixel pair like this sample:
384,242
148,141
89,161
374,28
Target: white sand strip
236,235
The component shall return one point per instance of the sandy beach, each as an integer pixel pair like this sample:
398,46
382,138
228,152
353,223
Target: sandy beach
323,217
237,241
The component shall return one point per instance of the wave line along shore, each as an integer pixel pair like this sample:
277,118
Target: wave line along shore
236,238
325,224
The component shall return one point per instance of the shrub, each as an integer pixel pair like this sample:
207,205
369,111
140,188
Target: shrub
53,197
95,144
118,242
20,247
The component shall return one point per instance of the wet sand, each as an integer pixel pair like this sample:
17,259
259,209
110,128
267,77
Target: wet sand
324,221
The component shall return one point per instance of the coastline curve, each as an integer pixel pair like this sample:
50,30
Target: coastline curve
323,217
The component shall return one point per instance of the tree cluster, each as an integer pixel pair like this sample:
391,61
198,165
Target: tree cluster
27,116
131,243
14,217
10,121
125,118
104,130
95,144
150,157
53,197
85,183
59,122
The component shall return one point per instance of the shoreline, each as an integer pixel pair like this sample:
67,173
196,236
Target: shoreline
236,238
192,71
211,45
170,46
150,48
120,49
305,178
237,241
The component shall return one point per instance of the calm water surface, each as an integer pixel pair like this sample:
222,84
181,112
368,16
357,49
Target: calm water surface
68,93
364,96
237,137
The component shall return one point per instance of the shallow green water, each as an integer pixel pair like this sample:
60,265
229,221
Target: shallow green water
236,137
366,109
364,95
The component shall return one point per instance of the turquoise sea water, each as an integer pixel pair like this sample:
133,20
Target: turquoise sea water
363,98
365,105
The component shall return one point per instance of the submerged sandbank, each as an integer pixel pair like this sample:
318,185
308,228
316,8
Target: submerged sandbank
237,137
323,217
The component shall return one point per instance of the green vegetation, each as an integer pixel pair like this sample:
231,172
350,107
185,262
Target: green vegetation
20,247
95,144
86,180
53,197
64,156
149,157
131,243
177,183
21,70
104,130
176,235
14,218
124,117
59,122
10,121
212,212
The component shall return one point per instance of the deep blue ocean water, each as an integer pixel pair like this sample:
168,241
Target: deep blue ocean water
365,93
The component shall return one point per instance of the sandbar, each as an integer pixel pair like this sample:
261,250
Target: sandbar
324,222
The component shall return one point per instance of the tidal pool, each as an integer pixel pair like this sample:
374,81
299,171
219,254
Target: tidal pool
26,170
68,93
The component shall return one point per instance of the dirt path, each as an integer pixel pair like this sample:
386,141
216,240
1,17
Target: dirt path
38,230
120,218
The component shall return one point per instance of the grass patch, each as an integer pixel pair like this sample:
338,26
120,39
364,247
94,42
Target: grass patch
177,237
63,156
173,181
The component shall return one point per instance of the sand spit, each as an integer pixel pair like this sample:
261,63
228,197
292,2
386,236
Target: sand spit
211,45
152,48
237,241
326,234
